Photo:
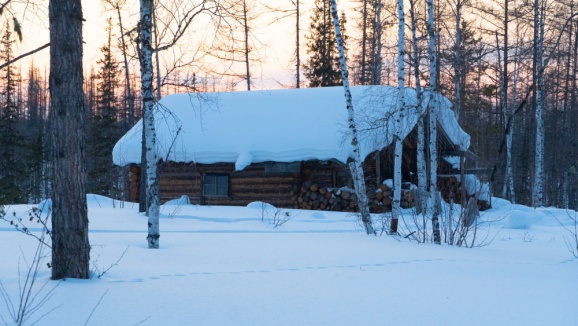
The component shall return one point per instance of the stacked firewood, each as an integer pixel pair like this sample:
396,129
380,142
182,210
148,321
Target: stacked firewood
313,196
451,189
384,197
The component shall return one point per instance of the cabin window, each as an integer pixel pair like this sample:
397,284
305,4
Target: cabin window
215,184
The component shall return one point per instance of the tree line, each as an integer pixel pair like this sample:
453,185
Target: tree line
486,62
508,66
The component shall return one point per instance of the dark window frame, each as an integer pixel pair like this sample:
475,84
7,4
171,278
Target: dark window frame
216,184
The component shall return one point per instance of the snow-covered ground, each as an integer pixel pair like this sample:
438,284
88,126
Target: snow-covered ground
225,266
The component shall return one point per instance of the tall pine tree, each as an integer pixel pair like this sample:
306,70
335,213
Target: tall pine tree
322,68
37,158
12,172
104,127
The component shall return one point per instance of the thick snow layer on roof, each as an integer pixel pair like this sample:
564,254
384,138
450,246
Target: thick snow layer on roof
278,125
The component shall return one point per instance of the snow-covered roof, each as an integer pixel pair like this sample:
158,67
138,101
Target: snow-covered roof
285,125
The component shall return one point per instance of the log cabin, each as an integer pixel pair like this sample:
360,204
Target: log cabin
290,147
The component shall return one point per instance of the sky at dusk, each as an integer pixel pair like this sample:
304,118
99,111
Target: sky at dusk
277,52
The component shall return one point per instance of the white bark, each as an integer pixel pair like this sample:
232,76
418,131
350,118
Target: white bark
537,190
421,163
433,122
145,56
396,204
356,164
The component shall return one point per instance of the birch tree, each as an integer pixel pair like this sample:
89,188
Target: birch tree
396,206
420,155
70,245
504,86
432,107
186,15
538,188
355,164
146,71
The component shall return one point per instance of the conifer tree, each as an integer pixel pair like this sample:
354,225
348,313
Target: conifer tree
104,128
37,157
12,172
322,68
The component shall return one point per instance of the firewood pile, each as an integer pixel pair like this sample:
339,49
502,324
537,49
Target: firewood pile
313,196
450,187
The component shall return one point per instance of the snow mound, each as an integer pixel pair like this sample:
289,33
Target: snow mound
262,206
92,200
522,217
184,200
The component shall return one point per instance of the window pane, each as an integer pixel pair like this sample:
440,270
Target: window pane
209,189
209,178
222,191
222,180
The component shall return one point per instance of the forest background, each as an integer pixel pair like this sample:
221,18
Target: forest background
487,57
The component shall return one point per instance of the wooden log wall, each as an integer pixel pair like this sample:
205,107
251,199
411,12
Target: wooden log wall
251,184
311,188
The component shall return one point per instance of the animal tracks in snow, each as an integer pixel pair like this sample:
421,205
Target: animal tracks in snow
361,267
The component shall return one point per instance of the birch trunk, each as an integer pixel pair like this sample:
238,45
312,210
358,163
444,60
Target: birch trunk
537,190
356,164
504,85
511,194
70,243
396,205
421,163
432,106
146,68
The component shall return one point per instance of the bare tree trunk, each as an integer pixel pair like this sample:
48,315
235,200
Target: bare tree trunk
511,194
363,45
537,191
157,61
297,56
356,165
457,63
421,163
70,245
433,123
396,205
128,90
378,32
146,66
246,29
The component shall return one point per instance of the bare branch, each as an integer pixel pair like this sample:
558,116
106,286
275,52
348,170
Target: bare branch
4,65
